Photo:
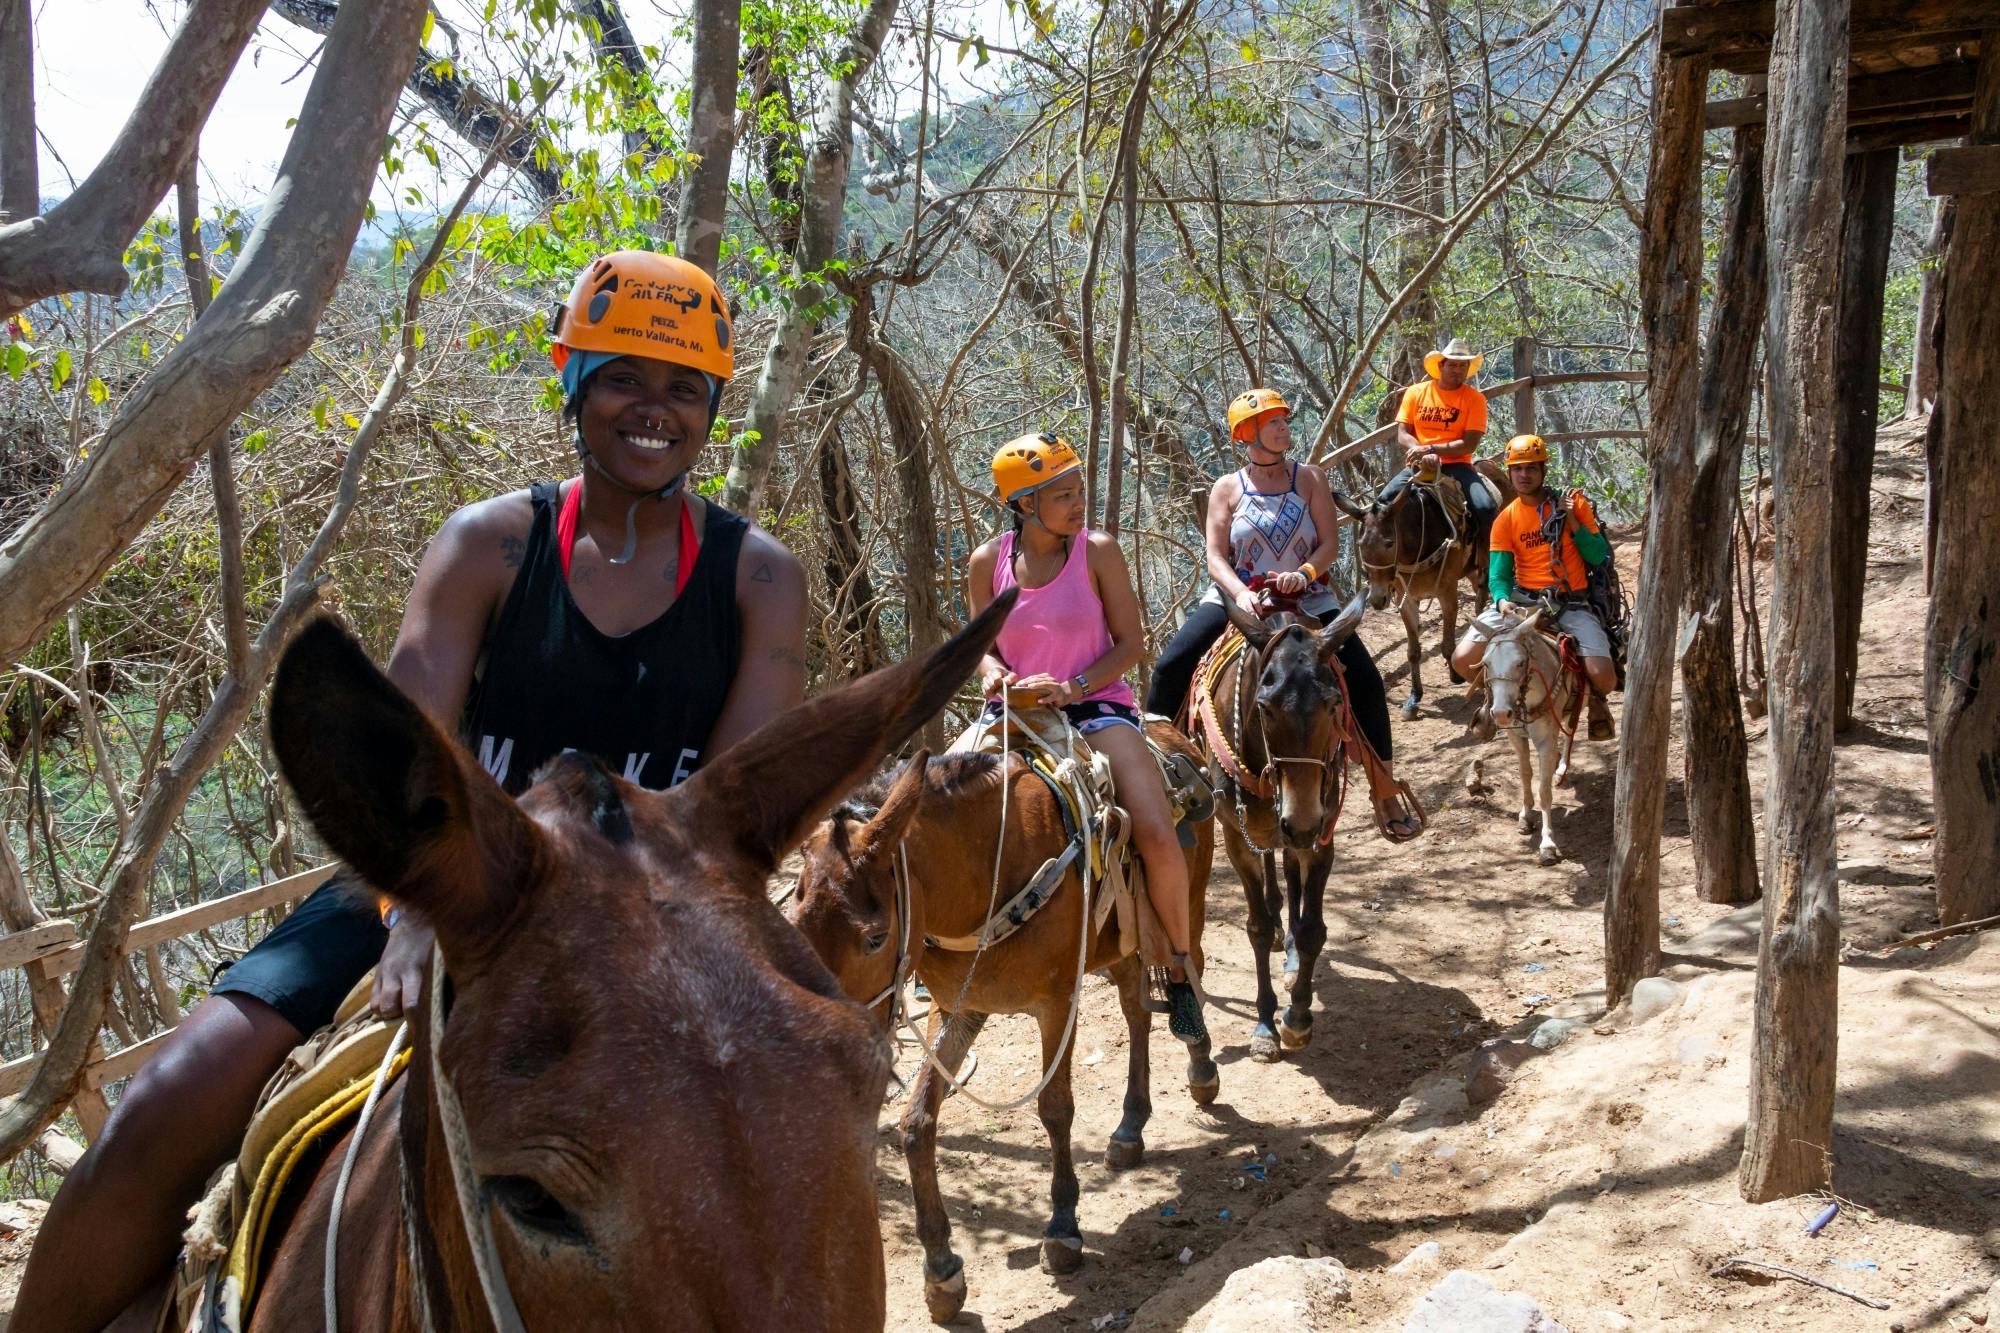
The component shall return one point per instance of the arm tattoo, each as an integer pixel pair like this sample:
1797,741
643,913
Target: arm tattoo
788,657
513,550
762,574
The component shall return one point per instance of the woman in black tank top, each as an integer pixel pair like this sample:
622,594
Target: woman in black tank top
614,614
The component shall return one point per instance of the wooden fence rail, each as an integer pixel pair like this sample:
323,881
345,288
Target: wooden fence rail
53,950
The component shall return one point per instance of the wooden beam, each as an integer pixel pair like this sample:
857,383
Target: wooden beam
24,946
175,925
1962,635
1902,133
1902,94
1973,169
1715,755
128,1061
1787,1144
1869,217
1737,35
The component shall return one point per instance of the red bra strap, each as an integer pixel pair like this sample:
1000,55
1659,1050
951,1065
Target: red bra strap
572,507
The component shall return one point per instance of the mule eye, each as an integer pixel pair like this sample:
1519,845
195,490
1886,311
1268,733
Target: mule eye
528,1204
874,943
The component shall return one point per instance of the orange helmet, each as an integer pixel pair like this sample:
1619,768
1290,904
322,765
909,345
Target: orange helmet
637,303
1025,465
1248,410
1524,449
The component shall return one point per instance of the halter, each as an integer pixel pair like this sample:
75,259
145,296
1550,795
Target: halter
893,992
1403,570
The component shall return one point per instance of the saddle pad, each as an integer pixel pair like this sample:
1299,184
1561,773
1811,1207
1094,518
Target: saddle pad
309,1102
1493,490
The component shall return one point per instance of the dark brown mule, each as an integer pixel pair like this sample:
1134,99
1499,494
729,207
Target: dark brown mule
667,1106
1408,552
1282,716
941,818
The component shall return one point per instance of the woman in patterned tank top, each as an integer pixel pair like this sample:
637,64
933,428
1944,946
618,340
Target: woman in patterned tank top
1072,636
1273,517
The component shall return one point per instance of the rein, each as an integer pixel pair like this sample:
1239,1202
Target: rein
1406,571
472,1214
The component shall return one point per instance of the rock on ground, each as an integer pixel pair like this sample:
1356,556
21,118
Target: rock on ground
1467,1303
1297,1295
1492,1068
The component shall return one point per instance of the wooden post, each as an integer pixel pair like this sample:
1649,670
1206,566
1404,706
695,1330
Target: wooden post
1786,1144
1869,211
1670,293
1524,397
1923,358
1717,772
1962,639
46,993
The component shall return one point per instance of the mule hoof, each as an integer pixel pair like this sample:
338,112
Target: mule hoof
1410,707
1205,1093
1264,1046
1295,1039
1062,1254
945,1298
1527,828
1456,679
1124,1154
1548,856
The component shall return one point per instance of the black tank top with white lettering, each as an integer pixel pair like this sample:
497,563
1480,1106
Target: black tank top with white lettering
643,702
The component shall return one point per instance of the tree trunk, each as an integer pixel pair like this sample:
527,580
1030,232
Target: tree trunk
825,198
1790,1134
1923,358
20,183
1670,287
1962,639
1717,772
1869,212
718,38
910,438
853,626
80,245
263,318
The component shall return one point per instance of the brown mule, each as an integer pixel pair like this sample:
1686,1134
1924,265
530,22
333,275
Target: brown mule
1274,719
941,819
665,1106
1409,555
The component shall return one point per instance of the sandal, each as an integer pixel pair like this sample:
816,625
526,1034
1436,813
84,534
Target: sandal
1398,823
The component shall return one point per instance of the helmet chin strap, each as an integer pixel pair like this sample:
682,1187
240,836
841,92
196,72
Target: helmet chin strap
626,556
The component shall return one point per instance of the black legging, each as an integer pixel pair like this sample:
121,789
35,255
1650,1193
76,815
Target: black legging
1173,673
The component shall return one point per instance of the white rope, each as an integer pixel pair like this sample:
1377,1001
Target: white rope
347,1171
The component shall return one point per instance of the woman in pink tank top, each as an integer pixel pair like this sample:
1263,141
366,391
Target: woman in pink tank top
1073,634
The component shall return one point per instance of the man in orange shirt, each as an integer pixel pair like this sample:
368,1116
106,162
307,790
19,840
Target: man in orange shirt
1544,545
1443,420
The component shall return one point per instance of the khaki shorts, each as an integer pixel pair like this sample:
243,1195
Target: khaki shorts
1577,622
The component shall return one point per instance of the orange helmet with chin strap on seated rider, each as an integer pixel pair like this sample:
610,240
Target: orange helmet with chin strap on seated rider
637,303
1248,410
1525,449
1029,462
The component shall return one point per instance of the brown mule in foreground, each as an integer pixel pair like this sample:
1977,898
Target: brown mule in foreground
941,820
1282,717
1408,555
665,1105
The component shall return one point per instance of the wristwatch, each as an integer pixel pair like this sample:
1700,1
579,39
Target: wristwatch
1082,685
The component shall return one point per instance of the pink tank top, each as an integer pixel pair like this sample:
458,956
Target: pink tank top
1059,627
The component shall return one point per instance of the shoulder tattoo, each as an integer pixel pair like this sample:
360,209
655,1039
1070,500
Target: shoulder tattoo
513,550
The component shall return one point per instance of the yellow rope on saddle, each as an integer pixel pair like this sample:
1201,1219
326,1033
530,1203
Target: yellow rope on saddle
274,1176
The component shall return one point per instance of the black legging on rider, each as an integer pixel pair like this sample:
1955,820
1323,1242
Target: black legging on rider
1464,474
1173,673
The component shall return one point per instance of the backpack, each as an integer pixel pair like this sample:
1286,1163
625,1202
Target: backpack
1605,594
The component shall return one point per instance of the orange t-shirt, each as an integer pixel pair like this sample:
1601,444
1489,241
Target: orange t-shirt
1518,531
1439,417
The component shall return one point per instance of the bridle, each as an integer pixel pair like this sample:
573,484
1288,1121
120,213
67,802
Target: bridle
905,960
1404,571
1249,668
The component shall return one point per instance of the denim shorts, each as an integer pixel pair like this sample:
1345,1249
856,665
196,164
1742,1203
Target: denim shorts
306,967
1088,716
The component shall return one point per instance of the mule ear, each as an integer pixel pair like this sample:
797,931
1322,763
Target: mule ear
1253,627
393,796
884,833
1349,508
764,793
1343,626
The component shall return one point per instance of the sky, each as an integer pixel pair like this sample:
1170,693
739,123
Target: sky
92,57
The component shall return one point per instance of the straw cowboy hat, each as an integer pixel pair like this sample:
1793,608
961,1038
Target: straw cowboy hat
1455,350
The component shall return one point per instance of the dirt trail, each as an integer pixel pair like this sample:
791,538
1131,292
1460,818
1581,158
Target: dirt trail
1432,948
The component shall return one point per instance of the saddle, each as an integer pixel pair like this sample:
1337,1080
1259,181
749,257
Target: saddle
308,1104
1097,828
1451,495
